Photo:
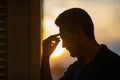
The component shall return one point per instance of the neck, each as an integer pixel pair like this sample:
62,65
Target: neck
90,49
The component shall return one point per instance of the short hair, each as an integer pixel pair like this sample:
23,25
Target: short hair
76,17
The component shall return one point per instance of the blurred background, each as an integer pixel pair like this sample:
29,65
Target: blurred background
106,18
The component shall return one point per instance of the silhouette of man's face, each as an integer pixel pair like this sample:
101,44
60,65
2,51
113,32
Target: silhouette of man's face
69,42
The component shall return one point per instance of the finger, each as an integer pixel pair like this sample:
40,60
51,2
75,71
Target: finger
54,45
54,36
51,39
55,41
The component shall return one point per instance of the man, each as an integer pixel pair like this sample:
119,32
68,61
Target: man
95,61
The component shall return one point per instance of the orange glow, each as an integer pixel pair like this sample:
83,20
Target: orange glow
58,51
49,29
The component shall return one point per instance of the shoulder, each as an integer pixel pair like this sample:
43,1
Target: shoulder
108,54
111,62
70,71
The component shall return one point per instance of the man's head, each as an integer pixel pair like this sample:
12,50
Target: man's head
73,18
70,21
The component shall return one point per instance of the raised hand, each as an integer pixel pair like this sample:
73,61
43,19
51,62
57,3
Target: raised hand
50,44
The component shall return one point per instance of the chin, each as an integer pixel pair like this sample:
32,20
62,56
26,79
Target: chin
72,55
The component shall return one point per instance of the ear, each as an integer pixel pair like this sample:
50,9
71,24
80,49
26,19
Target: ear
79,35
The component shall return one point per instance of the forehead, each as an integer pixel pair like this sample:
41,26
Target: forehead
64,33
67,28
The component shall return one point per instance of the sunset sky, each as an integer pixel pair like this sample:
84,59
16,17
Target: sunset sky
106,18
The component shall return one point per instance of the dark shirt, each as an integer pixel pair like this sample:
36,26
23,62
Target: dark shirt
105,66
